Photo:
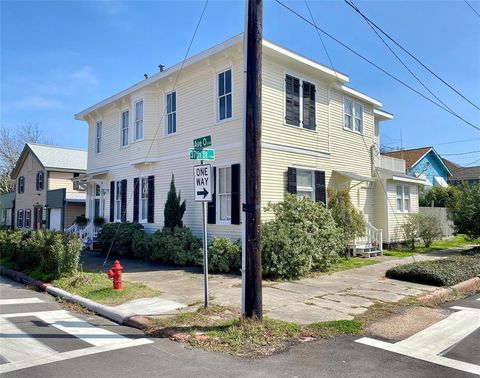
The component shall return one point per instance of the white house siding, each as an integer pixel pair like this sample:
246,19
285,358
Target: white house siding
396,219
196,117
290,146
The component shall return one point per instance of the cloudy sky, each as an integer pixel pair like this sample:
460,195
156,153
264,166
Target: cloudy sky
58,58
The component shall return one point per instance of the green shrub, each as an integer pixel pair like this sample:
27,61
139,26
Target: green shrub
428,229
174,207
303,237
444,272
224,256
121,234
465,211
141,245
350,221
47,254
178,246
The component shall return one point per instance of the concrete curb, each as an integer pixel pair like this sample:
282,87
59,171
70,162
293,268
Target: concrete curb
466,287
120,317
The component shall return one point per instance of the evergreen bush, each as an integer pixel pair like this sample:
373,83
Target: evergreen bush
174,208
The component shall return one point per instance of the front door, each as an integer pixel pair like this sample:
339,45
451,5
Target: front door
38,218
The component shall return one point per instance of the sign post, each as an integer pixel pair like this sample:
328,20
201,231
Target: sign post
202,184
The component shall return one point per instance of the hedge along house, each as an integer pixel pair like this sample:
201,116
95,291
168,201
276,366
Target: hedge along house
317,133
424,163
46,197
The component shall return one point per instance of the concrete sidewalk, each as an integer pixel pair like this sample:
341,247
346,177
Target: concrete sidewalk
335,296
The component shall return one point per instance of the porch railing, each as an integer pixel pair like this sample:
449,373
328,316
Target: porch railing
87,233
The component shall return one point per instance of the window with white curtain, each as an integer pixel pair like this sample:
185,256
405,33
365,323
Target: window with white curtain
403,199
144,200
118,201
305,184
225,193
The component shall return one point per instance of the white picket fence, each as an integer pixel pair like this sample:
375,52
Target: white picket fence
441,213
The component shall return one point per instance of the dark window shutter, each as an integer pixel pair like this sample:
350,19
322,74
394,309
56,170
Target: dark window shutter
308,105
320,189
36,182
211,214
136,198
235,204
292,180
112,201
123,200
151,198
292,100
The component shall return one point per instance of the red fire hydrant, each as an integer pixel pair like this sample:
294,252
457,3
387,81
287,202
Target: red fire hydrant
115,274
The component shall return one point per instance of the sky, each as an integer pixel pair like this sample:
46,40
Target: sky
59,57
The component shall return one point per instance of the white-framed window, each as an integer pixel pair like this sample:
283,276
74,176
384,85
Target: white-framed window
139,120
143,200
224,95
403,199
20,218
98,137
300,103
118,201
28,218
171,113
21,184
124,128
353,115
224,194
305,187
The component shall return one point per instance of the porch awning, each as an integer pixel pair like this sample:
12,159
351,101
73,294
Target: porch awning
355,176
88,176
398,176
75,197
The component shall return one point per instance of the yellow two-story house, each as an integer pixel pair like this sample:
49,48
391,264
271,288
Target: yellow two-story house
46,197
317,133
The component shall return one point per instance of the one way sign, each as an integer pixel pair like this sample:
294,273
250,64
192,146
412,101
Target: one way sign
202,183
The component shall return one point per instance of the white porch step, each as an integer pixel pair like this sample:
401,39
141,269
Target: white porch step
368,253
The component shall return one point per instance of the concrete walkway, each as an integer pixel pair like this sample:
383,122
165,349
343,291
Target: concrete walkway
335,296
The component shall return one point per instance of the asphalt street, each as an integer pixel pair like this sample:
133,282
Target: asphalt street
41,339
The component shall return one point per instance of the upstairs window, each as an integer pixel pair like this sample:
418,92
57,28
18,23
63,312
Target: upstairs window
353,115
300,103
98,137
139,120
403,198
124,129
21,184
172,113
225,95
40,180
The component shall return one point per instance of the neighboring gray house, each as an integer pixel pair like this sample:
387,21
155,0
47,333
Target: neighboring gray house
7,205
459,174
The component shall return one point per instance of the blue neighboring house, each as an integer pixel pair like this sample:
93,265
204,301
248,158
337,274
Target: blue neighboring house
424,163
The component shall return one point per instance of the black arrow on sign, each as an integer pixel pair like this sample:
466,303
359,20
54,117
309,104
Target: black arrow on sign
204,192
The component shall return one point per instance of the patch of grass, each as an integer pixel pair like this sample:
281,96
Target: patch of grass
98,287
444,272
352,263
458,241
222,329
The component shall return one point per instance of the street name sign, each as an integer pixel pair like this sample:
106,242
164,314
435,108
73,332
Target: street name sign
202,183
206,154
202,142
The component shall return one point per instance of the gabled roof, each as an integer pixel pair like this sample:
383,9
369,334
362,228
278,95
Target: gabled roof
54,158
462,173
414,155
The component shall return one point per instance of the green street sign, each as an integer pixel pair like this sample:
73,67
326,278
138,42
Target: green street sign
207,154
202,142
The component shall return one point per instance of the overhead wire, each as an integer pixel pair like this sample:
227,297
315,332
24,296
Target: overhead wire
413,56
472,8
376,65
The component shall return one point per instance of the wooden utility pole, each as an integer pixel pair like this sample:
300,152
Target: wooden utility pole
253,279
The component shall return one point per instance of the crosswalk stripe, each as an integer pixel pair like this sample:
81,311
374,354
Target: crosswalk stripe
20,301
23,351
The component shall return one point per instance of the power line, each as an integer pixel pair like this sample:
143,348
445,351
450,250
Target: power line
472,8
376,65
351,4
414,57
462,153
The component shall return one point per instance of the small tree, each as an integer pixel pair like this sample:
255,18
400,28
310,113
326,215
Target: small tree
465,212
174,207
428,229
410,229
346,216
